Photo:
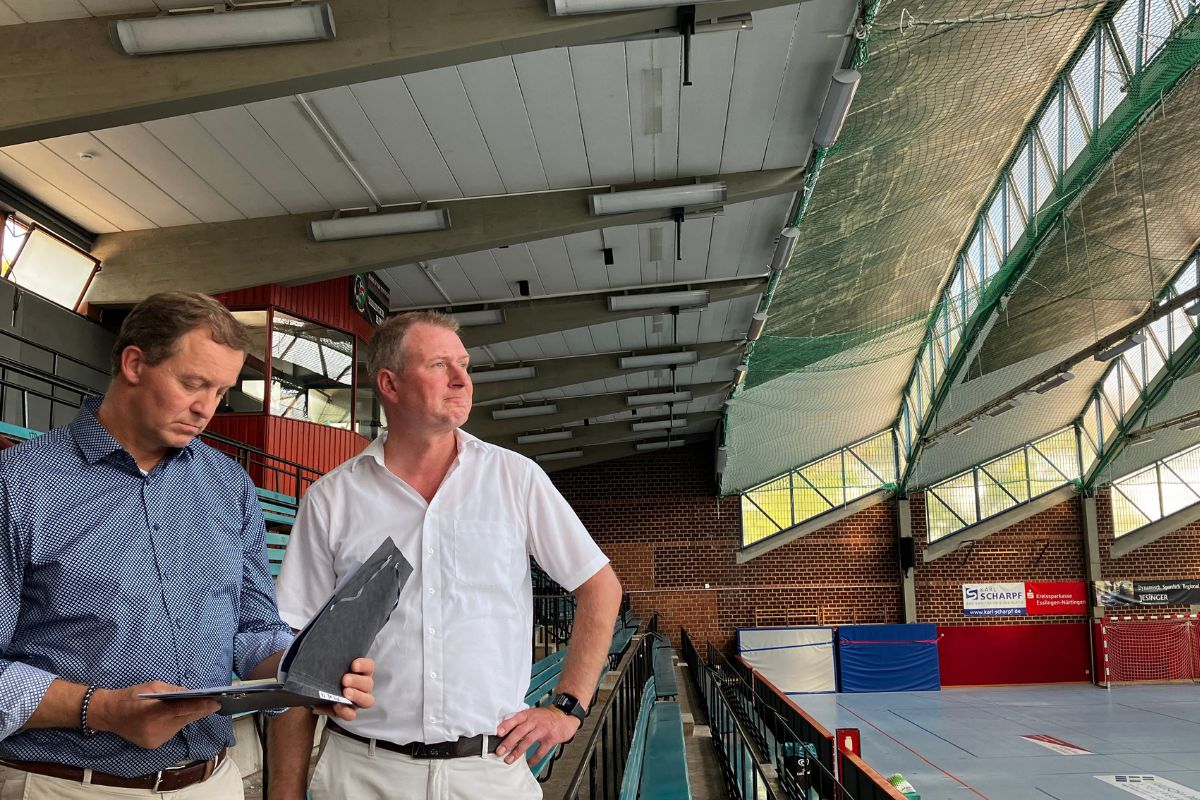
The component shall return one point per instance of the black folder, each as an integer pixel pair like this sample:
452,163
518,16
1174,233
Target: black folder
310,672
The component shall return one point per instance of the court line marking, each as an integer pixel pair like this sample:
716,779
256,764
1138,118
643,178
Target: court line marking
949,775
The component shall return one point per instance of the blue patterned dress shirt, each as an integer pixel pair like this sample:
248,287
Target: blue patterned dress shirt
115,578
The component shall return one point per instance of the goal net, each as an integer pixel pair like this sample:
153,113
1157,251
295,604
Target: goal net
1151,648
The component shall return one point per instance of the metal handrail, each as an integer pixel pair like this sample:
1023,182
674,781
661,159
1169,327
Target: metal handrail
602,765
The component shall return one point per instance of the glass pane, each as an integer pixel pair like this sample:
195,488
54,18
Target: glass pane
1020,177
1112,80
940,521
1083,78
1050,132
958,494
1161,23
992,499
995,216
13,236
52,269
826,476
1045,178
1059,450
1127,25
775,501
1009,471
877,452
1176,493
1141,491
1126,516
1077,135
1043,475
1016,217
312,372
249,395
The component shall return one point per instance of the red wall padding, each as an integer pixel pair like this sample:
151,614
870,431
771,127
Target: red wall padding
998,654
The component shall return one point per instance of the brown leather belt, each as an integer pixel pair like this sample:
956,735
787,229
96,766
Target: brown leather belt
167,780
462,748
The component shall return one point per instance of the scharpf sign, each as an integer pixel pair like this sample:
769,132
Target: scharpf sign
1027,598
993,599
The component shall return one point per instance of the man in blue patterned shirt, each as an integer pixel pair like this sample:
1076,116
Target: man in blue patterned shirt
134,562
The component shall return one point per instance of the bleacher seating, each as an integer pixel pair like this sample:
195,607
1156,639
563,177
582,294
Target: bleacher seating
664,766
665,685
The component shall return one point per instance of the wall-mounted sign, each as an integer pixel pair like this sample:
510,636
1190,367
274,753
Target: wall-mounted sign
370,297
1024,598
1148,593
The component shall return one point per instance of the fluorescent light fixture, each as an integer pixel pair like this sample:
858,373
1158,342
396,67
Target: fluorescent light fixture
659,360
216,30
656,300
560,456
1055,382
691,194
497,375
732,22
1134,439
660,445
784,247
739,373
657,399
488,316
525,411
1004,407
379,224
658,425
757,322
1120,347
722,459
553,436
1190,424
961,429
837,106
562,8
1193,310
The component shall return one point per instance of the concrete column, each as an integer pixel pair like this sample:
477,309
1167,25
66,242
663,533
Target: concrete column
908,578
1091,546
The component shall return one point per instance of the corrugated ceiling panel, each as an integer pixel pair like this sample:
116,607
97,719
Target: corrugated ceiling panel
602,87
196,147
390,108
495,96
244,139
549,93
150,157
443,104
48,192
357,135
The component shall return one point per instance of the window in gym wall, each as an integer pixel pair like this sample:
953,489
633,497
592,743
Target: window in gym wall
43,264
819,486
312,372
1156,491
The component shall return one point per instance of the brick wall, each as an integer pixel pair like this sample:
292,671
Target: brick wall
673,545
1045,547
1173,556
656,517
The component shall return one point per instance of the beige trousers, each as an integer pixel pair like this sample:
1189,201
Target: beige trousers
351,770
224,784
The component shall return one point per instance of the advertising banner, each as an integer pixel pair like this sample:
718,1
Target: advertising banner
1027,598
993,599
1118,594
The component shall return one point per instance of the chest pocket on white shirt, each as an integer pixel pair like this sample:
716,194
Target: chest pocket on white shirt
483,552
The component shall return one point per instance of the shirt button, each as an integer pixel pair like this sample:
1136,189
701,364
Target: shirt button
433,675
432,590
432,630
154,526
429,552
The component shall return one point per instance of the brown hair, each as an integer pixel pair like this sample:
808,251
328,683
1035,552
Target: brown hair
386,348
156,325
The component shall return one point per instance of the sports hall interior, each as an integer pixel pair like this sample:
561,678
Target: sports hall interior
861,335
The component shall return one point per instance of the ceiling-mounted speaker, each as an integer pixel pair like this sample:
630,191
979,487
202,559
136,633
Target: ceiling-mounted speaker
908,553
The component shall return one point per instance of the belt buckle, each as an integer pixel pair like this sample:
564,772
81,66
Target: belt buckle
439,750
158,778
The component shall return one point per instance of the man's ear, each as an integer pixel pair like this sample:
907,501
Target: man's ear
133,361
387,383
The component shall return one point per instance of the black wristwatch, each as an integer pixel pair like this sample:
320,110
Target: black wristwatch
569,704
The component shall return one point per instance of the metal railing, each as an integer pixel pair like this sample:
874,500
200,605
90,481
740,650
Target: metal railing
744,776
553,620
602,763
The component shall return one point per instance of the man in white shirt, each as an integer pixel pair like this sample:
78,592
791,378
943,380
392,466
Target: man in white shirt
453,661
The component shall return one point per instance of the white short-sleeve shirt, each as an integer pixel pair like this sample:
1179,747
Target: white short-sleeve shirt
454,658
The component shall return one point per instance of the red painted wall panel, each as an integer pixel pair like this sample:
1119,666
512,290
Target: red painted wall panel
317,446
327,302
973,655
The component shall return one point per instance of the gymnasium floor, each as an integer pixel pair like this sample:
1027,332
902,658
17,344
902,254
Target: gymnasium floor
960,744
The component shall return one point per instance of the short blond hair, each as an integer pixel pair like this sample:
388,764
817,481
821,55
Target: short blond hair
156,325
386,348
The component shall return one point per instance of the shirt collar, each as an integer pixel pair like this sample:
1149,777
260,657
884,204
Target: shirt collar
375,449
94,440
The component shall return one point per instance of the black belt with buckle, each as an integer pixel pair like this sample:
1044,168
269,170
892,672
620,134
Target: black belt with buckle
462,748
